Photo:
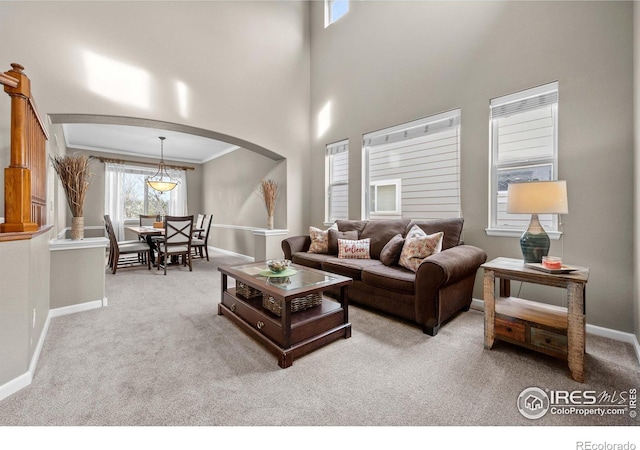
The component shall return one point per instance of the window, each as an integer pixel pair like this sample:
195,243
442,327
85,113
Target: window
384,197
413,170
338,181
334,10
524,143
139,198
127,195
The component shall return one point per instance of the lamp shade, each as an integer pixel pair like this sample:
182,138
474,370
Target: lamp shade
538,197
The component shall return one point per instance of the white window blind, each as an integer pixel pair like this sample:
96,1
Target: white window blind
338,189
523,148
422,159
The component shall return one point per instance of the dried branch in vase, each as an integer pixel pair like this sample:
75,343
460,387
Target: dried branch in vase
74,173
269,192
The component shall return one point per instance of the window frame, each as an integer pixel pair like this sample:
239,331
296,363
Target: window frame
375,185
495,166
341,147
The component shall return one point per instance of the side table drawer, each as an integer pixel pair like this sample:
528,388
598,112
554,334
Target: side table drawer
549,340
512,330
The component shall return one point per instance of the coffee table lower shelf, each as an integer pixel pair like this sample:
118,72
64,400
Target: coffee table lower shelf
308,329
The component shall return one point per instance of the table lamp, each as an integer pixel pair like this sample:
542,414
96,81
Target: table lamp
536,197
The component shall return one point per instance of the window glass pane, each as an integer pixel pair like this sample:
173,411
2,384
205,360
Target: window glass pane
526,135
337,9
338,189
158,202
523,174
386,198
423,161
520,175
133,195
140,199
339,201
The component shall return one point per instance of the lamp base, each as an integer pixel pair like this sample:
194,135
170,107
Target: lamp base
534,242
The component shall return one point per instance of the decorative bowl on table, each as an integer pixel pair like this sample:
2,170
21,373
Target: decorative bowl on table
278,265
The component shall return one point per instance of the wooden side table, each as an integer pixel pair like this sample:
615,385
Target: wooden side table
549,329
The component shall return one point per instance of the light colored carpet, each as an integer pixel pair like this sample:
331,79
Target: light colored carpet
160,355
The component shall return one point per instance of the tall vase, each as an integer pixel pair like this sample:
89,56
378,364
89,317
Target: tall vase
270,222
77,228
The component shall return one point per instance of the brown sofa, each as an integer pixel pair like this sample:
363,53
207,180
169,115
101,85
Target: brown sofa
440,288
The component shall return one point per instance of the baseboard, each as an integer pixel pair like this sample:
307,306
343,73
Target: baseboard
13,386
616,335
24,380
230,253
72,309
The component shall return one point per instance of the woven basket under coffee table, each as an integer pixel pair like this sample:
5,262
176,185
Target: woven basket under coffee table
297,304
247,291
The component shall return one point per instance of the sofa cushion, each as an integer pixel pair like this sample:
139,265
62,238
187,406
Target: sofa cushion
351,268
313,260
391,251
350,249
320,239
417,246
452,229
334,235
351,225
391,278
381,231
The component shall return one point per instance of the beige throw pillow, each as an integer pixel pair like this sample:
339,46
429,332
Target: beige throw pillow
417,246
320,239
350,249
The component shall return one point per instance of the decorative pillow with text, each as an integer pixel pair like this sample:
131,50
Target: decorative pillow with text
354,249
320,239
417,246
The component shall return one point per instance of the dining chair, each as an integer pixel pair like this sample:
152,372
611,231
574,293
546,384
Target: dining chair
108,225
147,220
120,252
176,241
199,244
197,226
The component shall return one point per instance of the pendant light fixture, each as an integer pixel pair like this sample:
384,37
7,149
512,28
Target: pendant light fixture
162,181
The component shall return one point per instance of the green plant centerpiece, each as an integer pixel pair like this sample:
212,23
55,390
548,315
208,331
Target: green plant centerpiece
74,173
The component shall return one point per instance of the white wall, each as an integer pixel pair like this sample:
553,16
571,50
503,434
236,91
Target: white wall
245,65
387,63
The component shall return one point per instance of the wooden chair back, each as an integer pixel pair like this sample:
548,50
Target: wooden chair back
206,224
147,220
177,230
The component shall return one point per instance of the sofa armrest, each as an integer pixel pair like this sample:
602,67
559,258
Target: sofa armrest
453,264
295,244
455,268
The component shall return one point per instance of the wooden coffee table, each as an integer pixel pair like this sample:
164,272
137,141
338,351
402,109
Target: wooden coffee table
290,334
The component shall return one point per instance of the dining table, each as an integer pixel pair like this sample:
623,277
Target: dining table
149,233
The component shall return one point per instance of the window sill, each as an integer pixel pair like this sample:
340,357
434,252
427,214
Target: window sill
501,232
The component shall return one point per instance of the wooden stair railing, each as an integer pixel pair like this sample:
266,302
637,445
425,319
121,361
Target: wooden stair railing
25,180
